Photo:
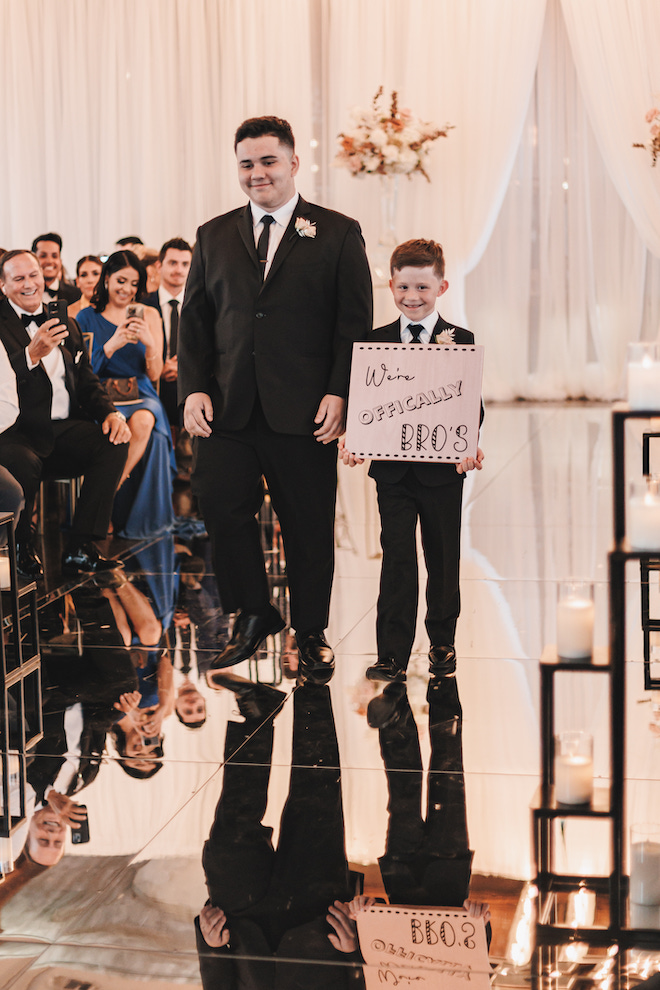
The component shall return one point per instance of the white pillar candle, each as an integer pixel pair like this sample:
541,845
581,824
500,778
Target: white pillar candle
645,872
5,581
574,779
575,628
644,376
643,522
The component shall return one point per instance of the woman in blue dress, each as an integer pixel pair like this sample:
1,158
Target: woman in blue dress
125,347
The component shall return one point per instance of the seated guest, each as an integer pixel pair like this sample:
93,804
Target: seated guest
125,348
88,272
11,493
174,264
66,425
48,249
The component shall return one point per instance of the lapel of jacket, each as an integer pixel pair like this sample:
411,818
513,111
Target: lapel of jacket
14,324
246,230
439,327
289,237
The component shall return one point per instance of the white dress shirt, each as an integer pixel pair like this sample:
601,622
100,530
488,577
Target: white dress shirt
428,323
164,299
53,365
8,394
281,219
50,291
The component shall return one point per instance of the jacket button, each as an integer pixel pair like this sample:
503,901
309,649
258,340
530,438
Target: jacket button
260,315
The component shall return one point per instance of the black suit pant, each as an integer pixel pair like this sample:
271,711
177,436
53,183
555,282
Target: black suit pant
439,512
301,475
80,448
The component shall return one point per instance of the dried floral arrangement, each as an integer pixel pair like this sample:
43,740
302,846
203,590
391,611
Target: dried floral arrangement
652,118
382,142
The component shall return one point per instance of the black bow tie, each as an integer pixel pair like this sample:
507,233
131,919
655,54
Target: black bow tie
37,318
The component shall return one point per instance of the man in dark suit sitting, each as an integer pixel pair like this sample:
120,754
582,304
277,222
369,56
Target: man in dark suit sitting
278,292
48,249
66,426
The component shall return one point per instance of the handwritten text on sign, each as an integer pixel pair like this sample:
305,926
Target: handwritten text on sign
414,402
426,946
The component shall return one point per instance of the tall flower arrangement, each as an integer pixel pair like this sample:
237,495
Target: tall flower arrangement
382,142
653,118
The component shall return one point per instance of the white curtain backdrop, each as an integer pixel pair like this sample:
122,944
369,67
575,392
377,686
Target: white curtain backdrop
615,45
118,117
470,64
566,280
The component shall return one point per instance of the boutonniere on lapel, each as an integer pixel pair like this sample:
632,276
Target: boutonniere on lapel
305,228
446,337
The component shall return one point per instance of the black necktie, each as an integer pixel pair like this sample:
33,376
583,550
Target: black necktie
174,326
37,318
262,243
415,329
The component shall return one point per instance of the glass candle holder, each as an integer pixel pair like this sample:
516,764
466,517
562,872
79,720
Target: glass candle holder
5,580
575,619
643,515
644,376
645,864
574,767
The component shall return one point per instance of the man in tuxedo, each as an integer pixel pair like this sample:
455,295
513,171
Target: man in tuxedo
48,249
173,265
278,292
66,425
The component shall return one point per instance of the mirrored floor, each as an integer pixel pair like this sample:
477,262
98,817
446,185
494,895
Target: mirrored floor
278,799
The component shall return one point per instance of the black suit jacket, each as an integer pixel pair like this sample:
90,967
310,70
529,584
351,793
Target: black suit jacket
288,339
427,473
71,293
88,396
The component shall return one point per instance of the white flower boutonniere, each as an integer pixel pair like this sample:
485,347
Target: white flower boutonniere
305,228
446,337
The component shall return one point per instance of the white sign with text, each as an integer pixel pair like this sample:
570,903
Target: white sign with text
415,402
425,947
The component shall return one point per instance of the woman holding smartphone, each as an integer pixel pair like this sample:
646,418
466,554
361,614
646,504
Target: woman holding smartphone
127,354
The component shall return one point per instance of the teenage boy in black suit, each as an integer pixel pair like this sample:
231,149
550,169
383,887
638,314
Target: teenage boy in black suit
277,294
409,491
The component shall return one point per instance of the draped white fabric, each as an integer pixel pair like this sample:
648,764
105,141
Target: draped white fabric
118,117
615,45
566,280
470,64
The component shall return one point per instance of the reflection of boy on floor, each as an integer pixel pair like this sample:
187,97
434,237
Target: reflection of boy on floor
409,491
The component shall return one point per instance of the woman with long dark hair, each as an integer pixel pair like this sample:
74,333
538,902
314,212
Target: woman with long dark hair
127,353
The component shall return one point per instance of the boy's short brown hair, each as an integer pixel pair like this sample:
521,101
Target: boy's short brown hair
418,254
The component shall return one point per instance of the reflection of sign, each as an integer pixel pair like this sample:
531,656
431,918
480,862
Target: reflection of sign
415,402
423,947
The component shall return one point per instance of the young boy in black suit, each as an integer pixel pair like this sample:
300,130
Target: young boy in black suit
410,491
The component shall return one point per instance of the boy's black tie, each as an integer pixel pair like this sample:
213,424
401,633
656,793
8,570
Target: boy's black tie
262,243
415,329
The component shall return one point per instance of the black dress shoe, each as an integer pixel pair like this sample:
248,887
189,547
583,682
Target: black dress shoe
28,561
385,709
442,661
255,701
442,664
88,559
248,634
316,661
386,669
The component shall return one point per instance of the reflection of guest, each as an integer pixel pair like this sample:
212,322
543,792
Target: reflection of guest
286,904
125,348
79,699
